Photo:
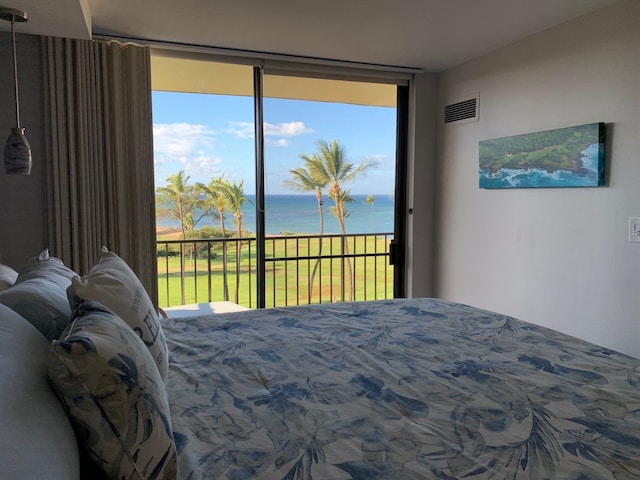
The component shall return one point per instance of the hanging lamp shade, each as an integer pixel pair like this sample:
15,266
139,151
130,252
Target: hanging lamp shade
17,151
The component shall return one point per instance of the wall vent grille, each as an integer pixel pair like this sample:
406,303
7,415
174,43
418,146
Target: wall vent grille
462,111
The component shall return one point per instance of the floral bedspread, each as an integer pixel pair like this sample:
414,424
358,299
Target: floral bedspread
397,389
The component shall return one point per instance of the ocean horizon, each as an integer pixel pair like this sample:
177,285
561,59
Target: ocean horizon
298,213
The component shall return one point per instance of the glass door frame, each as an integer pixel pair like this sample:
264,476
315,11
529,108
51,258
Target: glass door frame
258,74
272,64
397,257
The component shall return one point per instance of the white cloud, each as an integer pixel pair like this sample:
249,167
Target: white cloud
240,129
202,166
282,142
287,130
175,141
184,146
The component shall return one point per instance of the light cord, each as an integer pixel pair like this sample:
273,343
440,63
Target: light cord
15,69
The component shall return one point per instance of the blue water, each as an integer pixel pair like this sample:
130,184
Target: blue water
299,214
513,178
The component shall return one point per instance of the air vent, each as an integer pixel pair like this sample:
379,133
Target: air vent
463,110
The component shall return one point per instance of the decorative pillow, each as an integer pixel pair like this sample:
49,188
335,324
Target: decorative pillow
112,283
7,277
36,439
111,389
40,294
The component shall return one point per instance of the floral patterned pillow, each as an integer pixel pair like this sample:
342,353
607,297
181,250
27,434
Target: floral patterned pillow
112,283
114,395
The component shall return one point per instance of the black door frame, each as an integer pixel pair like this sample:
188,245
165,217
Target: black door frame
397,247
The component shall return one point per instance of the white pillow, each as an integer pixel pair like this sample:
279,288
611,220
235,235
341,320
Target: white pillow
36,439
112,391
112,283
43,261
40,294
7,276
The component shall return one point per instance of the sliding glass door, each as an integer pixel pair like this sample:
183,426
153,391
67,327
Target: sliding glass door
274,189
204,152
329,168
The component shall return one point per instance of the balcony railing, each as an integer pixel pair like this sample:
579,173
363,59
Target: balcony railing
299,269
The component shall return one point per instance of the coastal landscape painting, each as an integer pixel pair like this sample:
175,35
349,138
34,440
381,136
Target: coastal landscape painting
565,157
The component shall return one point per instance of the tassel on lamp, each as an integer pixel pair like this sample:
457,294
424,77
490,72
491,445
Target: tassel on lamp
17,151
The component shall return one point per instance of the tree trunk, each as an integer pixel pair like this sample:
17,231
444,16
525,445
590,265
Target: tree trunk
238,251
345,248
225,282
317,264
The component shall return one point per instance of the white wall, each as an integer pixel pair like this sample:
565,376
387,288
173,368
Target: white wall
421,186
22,220
555,257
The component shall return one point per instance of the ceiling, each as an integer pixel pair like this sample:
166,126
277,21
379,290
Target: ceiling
431,35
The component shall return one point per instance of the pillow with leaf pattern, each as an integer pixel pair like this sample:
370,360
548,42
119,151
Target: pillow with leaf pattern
112,283
111,388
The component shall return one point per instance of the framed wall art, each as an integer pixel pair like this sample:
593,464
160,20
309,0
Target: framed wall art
564,157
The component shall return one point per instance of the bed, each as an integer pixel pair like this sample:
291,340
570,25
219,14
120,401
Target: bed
398,389
392,389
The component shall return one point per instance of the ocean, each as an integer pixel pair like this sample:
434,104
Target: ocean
292,213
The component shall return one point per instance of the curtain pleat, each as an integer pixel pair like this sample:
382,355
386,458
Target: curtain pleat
99,138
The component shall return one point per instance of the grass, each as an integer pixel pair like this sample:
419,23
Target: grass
287,279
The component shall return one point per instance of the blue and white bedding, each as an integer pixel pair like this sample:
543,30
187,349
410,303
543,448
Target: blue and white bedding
397,389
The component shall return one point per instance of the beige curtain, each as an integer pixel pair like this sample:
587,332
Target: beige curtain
99,167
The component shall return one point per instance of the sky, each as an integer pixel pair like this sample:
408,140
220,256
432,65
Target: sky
210,135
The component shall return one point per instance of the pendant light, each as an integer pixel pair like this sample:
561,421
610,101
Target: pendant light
17,151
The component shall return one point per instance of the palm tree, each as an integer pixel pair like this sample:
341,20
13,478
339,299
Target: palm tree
304,180
176,195
183,201
215,202
340,209
334,170
371,200
234,195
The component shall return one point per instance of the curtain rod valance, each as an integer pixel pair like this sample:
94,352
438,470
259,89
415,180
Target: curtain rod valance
276,61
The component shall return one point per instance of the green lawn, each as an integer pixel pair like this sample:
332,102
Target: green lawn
287,280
